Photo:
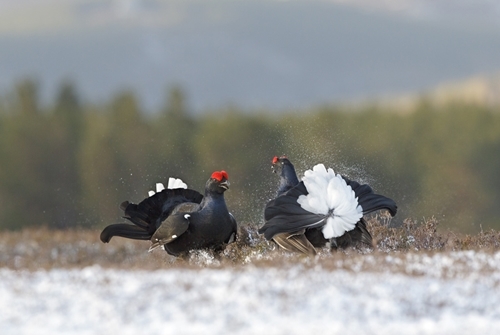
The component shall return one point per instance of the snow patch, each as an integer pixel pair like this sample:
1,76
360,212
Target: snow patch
251,300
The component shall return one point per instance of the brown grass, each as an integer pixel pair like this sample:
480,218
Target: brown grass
45,249
425,236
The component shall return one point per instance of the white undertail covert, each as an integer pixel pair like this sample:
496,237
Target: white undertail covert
329,195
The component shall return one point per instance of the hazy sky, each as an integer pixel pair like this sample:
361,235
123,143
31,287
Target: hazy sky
278,54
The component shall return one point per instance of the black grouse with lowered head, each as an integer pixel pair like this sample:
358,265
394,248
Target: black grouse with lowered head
179,219
288,176
324,207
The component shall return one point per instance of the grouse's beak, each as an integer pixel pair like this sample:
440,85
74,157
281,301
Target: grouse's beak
154,246
225,184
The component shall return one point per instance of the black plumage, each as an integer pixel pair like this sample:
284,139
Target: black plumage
286,171
180,219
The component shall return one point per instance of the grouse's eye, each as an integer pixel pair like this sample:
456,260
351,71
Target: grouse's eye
224,175
275,159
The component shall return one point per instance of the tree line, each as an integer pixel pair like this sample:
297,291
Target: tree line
69,164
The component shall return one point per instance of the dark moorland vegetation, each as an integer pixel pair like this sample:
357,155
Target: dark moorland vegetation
45,248
70,164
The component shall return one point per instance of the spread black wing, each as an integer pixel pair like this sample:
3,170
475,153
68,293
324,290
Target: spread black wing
285,215
148,215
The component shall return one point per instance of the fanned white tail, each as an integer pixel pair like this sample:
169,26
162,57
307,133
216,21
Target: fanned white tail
329,194
173,183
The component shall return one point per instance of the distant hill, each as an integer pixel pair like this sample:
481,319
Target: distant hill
477,90
483,90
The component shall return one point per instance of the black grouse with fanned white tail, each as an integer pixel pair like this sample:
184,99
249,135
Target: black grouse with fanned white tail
323,207
180,219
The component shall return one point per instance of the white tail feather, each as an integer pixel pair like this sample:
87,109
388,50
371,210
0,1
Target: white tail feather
329,194
173,183
159,187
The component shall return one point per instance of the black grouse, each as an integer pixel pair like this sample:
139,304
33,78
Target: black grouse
323,207
180,219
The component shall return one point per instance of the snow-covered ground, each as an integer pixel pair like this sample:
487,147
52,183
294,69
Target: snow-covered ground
426,297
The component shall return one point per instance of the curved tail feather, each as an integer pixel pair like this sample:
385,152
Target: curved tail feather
149,213
124,230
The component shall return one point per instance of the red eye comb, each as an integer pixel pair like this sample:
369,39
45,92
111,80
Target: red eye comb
276,159
219,175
